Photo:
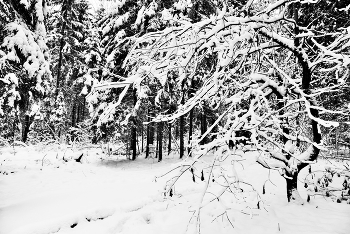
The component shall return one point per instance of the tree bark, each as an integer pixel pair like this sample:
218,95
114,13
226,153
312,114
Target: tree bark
133,142
160,141
25,119
148,139
312,152
177,130
26,122
79,107
169,139
150,133
157,144
190,134
142,138
204,125
134,131
74,115
292,183
181,131
83,110
292,189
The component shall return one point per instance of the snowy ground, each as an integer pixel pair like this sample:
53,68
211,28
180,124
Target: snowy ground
46,191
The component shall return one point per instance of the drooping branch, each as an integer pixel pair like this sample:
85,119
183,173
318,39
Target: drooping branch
306,80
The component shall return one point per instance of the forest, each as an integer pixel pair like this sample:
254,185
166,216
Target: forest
199,90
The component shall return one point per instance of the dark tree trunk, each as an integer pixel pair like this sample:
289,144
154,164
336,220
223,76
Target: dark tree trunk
292,183
177,131
79,112
128,148
189,149
79,106
157,144
181,129
150,133
292,188
296,28
95,137
74,115
204,125
83,110
26,122
25,119
133,142
142,138
182,124
134,131
169,139
160,141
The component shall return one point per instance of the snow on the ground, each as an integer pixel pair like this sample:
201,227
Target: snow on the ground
47,191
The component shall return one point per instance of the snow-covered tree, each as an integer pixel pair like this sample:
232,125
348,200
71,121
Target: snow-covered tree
71,43
59,113
263,80
24,68
328,18
121,28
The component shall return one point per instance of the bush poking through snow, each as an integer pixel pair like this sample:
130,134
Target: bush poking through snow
221,185
332,182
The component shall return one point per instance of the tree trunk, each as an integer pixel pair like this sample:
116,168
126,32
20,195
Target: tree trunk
133,142
292,184
150,133
204,126
128,149
169,139
138,144
177,131
160,141
79,107
157,143
189,149
181,129
336,141
133,131
83,110
74,115
292,189
142,138
25,119
296,28
26,122
94,133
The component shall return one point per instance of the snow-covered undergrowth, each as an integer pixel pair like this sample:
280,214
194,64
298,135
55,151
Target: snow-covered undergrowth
55,190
